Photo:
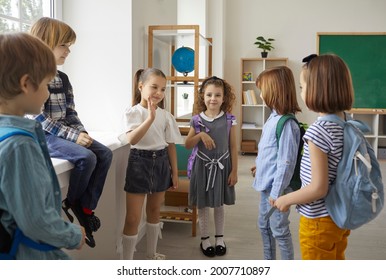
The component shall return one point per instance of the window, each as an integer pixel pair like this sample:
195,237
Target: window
18,15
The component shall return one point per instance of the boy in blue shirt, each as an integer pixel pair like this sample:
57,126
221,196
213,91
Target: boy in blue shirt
30,196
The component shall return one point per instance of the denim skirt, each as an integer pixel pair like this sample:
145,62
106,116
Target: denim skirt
148,171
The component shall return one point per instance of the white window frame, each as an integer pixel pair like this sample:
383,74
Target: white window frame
55,12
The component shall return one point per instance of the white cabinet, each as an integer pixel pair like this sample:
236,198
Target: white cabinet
376,120
254,113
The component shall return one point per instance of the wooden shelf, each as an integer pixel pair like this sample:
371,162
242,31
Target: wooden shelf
175,36
254,116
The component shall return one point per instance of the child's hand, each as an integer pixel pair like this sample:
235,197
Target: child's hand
84,140
271,201
253,171
232,179
151,107
174,182
208,141
83,240
281,204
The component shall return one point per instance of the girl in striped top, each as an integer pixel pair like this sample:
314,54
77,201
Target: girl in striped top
326,88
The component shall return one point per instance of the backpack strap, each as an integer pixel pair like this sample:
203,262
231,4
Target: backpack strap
6,132
281,123
230,118
332,118
362,126
196,123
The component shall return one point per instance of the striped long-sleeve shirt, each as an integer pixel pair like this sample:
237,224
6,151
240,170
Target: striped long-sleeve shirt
59,116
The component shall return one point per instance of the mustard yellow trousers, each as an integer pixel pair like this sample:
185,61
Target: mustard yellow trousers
322,239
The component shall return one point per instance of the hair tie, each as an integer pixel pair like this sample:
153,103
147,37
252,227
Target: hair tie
307,59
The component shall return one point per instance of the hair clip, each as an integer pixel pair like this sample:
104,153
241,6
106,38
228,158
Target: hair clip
307,59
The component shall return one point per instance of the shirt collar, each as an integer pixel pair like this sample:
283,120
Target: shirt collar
205,117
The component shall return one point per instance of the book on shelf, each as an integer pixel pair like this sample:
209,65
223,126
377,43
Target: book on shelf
249,97
253,95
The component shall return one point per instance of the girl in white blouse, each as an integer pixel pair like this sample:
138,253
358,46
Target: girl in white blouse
152,167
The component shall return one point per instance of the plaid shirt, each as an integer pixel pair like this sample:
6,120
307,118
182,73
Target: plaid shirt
59,116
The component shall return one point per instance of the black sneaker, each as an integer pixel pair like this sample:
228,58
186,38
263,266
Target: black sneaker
89,222
93,221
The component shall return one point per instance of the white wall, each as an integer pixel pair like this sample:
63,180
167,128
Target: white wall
217,31
145,13
294,25
111,45
99,66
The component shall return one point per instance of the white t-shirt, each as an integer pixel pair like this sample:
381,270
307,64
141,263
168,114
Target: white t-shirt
162,131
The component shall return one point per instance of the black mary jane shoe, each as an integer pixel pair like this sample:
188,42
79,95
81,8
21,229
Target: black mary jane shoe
220,250
210,251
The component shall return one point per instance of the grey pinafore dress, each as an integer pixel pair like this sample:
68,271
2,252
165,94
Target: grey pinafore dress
209,180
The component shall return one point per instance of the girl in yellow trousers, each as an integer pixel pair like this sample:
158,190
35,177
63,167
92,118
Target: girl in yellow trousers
326,88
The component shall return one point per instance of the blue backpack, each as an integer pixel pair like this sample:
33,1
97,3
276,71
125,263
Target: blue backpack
9,244
198,126
356,196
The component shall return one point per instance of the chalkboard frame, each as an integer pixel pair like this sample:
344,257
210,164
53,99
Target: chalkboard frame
369,82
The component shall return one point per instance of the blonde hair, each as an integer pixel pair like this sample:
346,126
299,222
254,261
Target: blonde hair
278,90
22,54
329,86
53,32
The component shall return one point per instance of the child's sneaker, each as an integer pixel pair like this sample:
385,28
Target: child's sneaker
93,221
89,222
157,256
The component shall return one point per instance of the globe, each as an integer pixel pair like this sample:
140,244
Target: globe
183,60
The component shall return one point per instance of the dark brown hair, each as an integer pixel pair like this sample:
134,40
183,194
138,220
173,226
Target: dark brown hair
329,86
229,94
142,75
22,54
277,86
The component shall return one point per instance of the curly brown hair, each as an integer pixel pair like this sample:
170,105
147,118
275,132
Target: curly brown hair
229,94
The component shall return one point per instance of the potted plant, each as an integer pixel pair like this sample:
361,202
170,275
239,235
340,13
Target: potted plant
264,44
186,101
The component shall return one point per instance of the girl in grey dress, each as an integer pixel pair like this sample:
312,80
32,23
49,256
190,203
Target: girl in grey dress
214,171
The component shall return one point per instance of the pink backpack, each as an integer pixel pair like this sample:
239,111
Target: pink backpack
198,126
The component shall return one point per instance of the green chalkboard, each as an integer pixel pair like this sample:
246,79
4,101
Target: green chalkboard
365,55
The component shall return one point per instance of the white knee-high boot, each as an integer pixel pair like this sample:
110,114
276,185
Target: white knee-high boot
152,233
128,244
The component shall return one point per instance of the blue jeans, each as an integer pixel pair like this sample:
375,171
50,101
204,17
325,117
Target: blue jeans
276,228
90,169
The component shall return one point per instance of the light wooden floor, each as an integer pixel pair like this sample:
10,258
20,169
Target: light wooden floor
243,238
